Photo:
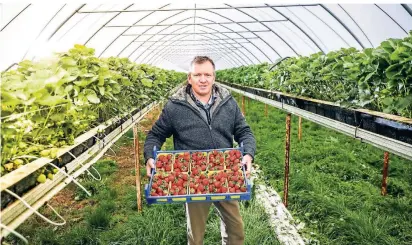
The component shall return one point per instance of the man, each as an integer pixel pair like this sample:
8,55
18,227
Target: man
203,115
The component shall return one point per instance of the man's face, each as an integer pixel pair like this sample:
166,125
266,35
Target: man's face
202,78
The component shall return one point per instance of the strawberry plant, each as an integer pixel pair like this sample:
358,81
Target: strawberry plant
48,103
378,78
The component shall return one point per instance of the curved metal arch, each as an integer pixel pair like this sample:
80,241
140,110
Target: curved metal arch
208,48
92,25
4,27
234,54
185,27
88,40
343,24
317,17
356,23
153,59
172,39
250,31
262,23
211,34
144,32
391,18
28,50
71,28
309,29
407,9
216,36
216,57
298,36
175,40
110,44
297,26
65,21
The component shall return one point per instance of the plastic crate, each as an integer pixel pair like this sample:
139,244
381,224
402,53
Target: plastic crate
209,197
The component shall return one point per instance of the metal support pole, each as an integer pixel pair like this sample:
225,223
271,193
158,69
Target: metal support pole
300,129
385,173
243,106
137,168
287,155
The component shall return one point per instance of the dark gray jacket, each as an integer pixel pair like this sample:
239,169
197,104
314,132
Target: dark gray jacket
181,118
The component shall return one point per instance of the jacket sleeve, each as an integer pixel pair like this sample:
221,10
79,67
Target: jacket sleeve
161,130
243,133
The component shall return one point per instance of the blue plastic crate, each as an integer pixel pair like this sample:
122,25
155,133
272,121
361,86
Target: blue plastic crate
217,197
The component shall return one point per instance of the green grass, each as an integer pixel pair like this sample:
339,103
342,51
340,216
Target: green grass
334,182
111,217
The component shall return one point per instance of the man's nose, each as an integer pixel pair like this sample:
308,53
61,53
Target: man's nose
202,78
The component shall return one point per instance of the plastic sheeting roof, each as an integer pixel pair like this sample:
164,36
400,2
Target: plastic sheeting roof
169,35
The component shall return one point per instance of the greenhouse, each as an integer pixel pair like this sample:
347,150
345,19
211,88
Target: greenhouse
315,99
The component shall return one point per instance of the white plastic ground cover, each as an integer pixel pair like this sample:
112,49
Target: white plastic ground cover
17,212
280,218
168,34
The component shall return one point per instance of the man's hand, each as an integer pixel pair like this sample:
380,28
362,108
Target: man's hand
247,160
149,166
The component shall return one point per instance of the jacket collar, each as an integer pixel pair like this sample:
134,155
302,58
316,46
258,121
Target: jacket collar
183,93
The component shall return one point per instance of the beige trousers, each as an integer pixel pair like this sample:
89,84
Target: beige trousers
231,224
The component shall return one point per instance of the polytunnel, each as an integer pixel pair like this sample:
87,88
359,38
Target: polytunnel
165,34
82,85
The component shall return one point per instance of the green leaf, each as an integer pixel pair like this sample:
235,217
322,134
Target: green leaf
393,70
147,82
101,90
50,100
92,96
407,44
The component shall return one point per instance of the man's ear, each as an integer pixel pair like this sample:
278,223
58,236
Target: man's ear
189,78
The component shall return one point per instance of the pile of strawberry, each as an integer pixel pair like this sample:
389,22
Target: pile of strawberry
216,160
218,182
160,184
179,183
199,183
181,163
233,159
236,182
164,162
199,162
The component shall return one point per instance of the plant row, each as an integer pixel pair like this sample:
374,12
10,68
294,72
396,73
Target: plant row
48,103
375,78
